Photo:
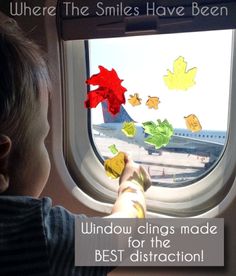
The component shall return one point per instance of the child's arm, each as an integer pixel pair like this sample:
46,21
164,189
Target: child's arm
131,199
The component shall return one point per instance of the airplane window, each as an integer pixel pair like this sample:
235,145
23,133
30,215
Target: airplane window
142,63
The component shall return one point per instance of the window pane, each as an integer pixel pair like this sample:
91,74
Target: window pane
142,62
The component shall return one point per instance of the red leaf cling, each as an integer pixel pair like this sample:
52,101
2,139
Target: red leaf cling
109,89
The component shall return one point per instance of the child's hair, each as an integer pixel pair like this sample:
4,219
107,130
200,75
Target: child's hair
23,77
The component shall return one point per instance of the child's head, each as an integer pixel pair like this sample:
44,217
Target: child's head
24,82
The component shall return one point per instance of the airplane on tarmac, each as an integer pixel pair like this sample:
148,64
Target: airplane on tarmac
205,142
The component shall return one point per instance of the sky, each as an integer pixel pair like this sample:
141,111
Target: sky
142,62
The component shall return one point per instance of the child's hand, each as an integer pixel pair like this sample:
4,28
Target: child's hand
131,202
136,173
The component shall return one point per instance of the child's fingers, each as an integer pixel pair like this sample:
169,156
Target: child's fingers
130,165
128,159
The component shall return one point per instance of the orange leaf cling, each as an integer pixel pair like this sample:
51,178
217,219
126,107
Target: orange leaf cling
109,89
152,102
192,123
134,100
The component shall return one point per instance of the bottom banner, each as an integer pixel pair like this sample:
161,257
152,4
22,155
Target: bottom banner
149,242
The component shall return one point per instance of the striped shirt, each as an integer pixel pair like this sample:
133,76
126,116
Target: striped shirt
37,239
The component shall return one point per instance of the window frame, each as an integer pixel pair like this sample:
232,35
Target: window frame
196,199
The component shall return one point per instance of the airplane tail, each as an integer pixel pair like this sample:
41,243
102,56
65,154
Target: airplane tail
121,117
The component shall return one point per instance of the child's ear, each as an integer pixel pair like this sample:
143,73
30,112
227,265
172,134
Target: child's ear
4,183
5,148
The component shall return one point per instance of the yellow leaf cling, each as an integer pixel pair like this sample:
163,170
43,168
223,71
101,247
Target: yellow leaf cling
180,79
153,102
115,166
129,129
193,123
134,99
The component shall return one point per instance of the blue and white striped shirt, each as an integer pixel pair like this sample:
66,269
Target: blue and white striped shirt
37,239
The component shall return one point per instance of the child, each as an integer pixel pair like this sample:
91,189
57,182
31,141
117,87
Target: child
36,238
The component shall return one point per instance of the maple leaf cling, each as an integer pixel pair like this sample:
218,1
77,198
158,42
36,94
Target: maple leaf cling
159,133
153,102
180,79
134,100
109,89
129,129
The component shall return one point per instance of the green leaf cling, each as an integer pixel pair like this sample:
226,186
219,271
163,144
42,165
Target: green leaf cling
160,133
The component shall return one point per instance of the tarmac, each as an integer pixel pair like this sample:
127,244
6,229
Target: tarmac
164,167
